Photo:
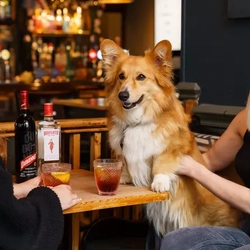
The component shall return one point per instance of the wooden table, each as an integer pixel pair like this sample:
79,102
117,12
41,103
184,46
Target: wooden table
83,184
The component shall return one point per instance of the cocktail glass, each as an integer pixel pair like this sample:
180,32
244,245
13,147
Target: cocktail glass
54,174
107,175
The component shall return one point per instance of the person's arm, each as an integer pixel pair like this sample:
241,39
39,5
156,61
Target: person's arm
234,194
223,152
36,220
22,189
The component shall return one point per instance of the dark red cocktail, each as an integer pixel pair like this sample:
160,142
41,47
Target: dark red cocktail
107,175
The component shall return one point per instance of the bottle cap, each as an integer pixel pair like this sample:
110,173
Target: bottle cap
24,99
48,109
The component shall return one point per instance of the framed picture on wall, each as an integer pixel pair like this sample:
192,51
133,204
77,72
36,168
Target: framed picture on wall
167,15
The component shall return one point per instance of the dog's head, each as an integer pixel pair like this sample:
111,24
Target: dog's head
138,87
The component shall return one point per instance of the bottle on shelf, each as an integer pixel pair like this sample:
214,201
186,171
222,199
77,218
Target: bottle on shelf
39,71
5,9
2,68
59,20
7,58
69,70
38,21
25,142
60,59
66,21
49,138
78,20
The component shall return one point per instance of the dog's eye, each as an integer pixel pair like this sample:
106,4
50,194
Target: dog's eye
121,76
140,77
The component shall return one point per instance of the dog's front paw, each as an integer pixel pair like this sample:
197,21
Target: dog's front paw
161,183
125,178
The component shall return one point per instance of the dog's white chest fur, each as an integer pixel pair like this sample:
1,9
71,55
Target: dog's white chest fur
139,145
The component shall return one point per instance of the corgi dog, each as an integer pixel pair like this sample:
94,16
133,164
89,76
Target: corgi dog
149,129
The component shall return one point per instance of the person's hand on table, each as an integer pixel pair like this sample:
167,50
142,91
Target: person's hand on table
66,196
22,189
64,192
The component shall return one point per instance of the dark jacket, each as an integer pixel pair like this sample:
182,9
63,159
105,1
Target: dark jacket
31,223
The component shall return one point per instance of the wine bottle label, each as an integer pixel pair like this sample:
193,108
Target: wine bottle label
51,144
27,161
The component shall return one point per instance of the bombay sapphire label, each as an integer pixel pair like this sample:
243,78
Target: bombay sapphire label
51,144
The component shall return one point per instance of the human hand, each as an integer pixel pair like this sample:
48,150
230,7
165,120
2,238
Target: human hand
66,196
22,189
187,166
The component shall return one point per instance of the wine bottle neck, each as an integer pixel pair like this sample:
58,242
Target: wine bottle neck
24,111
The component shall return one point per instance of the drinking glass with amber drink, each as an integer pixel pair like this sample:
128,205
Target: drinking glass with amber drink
107,175
54,174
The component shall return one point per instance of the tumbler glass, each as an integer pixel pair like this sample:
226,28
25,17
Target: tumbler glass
54,174
107,175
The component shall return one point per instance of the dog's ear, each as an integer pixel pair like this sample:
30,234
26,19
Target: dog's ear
161,57
162,53
111,53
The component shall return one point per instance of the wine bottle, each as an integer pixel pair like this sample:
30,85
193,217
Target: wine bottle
25,142
49,137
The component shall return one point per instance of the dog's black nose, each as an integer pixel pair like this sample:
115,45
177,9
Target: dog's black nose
123,95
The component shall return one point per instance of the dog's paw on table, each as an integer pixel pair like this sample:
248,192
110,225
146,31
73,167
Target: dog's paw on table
162,182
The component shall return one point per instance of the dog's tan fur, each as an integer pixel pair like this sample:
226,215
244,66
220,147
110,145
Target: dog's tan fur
152,137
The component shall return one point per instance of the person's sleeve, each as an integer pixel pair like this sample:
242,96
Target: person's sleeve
39,214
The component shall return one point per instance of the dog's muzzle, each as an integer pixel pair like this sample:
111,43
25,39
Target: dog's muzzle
124,96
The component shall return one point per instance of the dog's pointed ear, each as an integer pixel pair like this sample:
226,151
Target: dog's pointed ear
111,53
162,53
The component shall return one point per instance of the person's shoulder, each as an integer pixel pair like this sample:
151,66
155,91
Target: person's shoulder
241,115
239,123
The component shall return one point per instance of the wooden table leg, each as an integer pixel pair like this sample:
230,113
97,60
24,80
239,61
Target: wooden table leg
75,231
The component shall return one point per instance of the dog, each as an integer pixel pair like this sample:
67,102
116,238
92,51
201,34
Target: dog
149,129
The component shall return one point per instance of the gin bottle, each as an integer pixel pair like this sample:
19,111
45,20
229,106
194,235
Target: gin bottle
49,138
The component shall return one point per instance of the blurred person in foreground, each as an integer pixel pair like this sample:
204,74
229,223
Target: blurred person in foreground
31,216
